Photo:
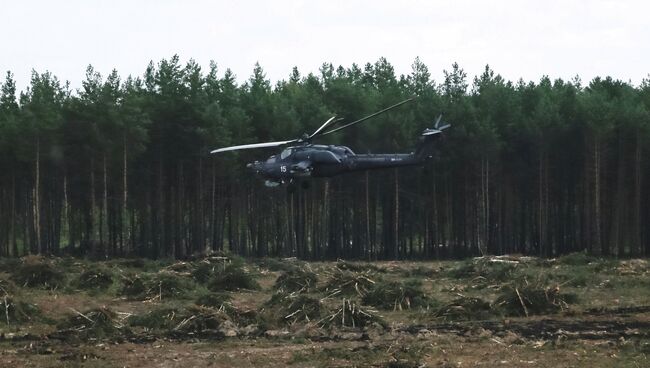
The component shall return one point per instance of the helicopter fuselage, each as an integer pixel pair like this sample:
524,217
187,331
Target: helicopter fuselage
324,161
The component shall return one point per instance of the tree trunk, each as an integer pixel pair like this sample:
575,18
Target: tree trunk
37,204
396,219
598,249
636,249
125,236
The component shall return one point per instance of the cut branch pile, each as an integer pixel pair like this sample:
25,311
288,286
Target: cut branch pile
95,279
347,283
298,280
396,295
351,314
233,278
295,308
465,308
524,299
159,286
37,272
13,312
95,323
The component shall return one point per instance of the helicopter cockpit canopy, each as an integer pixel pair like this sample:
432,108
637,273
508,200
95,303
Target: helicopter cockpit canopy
286,153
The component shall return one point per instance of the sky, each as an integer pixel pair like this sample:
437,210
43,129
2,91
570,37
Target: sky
518,39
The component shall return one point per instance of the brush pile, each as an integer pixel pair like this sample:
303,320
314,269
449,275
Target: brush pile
202,321
349,283
214,300
158,286
295,308
95,323
465,308
532,298
396,295
298,280
358,267
95,279
37,271
350,313
233,277
14,312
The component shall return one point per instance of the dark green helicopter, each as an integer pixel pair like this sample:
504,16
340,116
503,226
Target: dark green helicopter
302,159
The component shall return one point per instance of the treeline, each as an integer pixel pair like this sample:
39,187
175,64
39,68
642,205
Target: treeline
120,167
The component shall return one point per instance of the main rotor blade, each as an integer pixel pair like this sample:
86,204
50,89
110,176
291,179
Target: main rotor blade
437,124
254,145
367,117
322,126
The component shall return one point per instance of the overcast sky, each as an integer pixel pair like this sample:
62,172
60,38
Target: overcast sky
524,39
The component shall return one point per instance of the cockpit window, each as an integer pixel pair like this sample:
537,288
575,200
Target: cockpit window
286,153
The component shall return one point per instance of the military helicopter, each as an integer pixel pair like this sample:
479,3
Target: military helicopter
302,159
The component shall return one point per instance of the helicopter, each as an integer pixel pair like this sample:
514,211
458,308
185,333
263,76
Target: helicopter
301,159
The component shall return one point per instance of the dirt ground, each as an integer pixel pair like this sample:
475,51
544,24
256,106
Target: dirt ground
598,315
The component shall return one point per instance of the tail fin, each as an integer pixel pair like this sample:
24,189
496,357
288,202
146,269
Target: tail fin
424,149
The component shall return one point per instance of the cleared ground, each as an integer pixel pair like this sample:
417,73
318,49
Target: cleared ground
222,311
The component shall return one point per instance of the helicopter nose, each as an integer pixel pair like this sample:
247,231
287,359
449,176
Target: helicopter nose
254,166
